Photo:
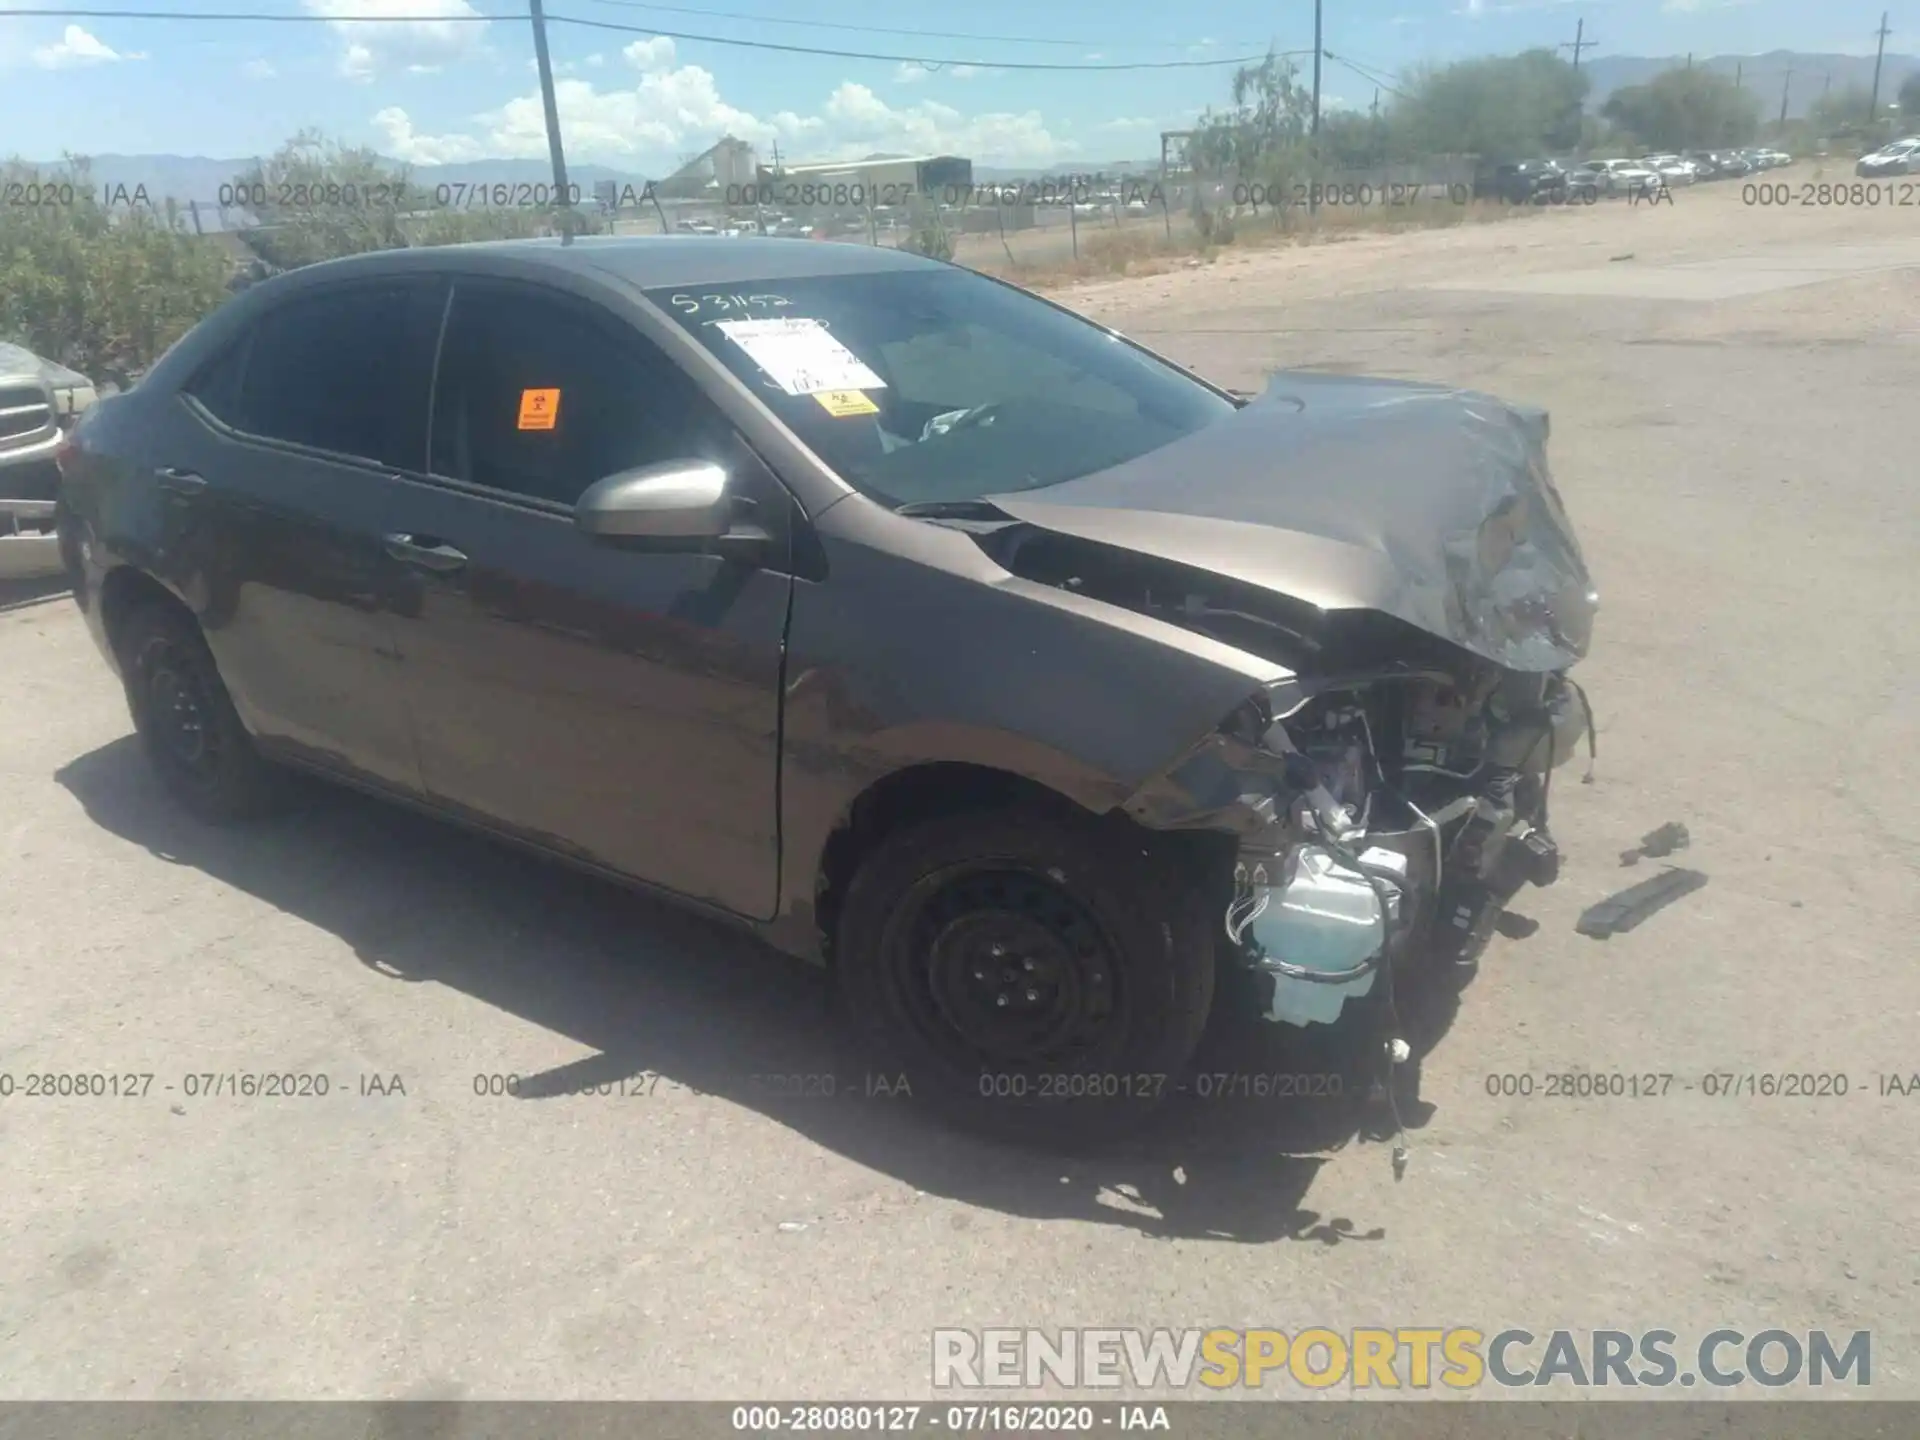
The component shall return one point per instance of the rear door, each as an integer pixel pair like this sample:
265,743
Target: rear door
614,700
277,467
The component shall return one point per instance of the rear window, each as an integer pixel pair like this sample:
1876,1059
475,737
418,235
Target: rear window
940,385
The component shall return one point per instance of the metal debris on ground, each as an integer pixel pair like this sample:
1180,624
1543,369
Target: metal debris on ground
1623,911
1657,844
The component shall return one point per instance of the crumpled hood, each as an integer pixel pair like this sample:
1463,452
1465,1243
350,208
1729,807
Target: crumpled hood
1429,504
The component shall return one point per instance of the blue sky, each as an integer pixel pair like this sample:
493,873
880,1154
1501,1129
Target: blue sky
430,92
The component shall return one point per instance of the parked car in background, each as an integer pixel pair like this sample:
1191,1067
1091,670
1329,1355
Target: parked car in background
1902,157
1621,177
1047,693
1671,169
1729,164
40,402
1521,182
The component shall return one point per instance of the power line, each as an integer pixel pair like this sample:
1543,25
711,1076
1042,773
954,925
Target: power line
763,19
1376,65
932,62
1367,75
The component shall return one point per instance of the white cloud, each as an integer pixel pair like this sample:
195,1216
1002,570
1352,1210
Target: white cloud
259,70
596,61
908,73
676,111
1131,122
432,36
650,55
404,144
77,47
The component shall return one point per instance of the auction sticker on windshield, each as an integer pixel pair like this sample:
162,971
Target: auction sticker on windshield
845,402
800,356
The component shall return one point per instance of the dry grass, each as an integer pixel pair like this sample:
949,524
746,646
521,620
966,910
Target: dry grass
1146,248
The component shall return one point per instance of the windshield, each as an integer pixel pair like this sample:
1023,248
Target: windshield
940,386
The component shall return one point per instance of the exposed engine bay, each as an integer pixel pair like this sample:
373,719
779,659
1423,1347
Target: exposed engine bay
1415,806
1388,797
1400,558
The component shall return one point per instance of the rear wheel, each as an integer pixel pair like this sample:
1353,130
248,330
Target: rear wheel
186,720
1029,974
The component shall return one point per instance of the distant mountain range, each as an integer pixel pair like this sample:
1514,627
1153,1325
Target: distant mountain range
197,177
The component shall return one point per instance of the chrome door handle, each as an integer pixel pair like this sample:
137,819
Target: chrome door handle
425,552
180,482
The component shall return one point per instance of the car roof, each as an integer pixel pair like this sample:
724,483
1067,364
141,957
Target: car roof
648,260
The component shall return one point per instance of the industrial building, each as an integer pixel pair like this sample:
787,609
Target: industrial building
882,175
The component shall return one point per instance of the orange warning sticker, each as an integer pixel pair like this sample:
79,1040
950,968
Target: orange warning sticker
845,402
539,409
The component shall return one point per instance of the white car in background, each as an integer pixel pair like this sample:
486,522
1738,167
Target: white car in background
1671,168
1621,177
1902,157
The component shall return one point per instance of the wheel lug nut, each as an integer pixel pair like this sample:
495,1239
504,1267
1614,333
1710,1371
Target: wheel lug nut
1032,995
1000,1000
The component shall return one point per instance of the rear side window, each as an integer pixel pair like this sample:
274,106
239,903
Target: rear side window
343,370
540,397
217,385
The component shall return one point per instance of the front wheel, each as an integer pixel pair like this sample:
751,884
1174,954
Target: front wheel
1031,974
187,723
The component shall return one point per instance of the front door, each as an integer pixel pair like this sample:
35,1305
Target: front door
617,702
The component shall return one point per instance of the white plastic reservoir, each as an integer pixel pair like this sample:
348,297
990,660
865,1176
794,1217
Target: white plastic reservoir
1325,918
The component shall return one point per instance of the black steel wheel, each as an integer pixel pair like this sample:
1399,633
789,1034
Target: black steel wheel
186,720
1027,972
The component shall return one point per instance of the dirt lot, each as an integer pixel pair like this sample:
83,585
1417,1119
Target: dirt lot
1734,400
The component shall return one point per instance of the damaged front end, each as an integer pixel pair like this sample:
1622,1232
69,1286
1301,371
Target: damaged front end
1382,818
1403,552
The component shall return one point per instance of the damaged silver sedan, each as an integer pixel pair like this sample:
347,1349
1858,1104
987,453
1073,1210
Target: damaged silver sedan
933,632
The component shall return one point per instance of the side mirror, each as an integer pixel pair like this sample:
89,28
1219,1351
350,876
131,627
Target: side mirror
673,500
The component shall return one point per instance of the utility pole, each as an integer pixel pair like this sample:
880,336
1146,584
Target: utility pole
1785,81
1316,67
1879,54
1738,67
562,196
1580,43
1689,59
1828,85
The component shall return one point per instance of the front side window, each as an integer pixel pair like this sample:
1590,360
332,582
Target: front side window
339,370
539,397
927,386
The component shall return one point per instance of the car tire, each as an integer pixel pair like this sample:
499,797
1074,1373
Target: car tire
186,721
1031,975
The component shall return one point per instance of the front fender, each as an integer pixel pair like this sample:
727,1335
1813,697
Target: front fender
966,663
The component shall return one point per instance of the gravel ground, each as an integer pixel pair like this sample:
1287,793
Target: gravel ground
1741,466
